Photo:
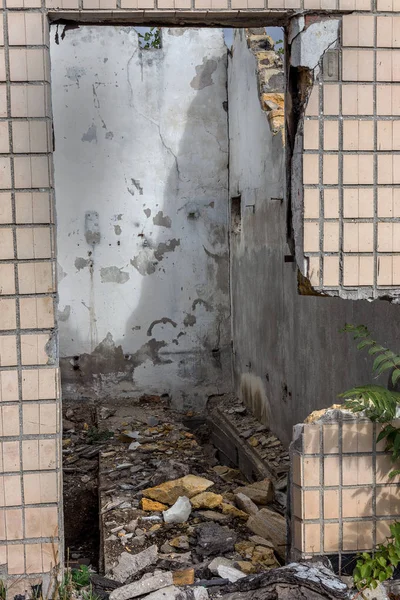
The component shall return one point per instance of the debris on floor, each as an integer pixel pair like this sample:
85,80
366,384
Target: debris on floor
174,522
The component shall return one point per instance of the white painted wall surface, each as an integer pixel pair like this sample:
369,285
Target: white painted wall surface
141,139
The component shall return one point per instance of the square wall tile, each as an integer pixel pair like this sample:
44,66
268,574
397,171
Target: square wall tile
389,202
36,278
33,207
312,109
34,242
331,504
358,65
331,236
331,471
383,468
357,535
310,169
298,536
14,526
41,522
358,237
39,418
331,537
8,314
387,501
311,471
331,135
331,203
331,271
358,203
25,29
9,420
5,208
37,313
311,236
10,456
311,203
358,30
40,488
16,559
6,243
357,437
8,351
5,172
312,538
330,169
313,270
331,99
311,439
33,349
10,490
4,138
358,169
9,386
358,135
30,100
357,470
388,65
3,100
297,503
32,172
31,136
388,100
29,64
388,32
311,504
388,237
357,502
331,438
39,384
7,279
311,134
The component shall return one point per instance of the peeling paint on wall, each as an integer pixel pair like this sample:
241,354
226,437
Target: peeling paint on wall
113,275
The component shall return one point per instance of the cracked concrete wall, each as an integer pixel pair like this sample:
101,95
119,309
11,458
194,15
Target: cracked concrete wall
289,356
141,177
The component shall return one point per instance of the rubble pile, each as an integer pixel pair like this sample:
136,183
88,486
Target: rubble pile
170,510
176,524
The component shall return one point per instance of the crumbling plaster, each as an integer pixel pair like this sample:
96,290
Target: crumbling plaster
141,175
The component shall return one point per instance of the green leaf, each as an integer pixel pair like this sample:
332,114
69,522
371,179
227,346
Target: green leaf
376,348
388,364
364,343
395,376
394,473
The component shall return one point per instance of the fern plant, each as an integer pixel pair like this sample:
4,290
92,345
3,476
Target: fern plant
377,402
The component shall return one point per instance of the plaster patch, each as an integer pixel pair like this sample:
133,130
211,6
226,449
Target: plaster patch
309,46
189,320
203,74
90,135
113,275
162,221
63,315
81,263
117,230
163,248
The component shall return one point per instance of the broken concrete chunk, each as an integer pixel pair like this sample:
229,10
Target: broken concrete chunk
232,511
142,587
134,564
179,512
270,525
245,504
170,491
260,492
206,500
217,562
212,515
227,572
259,541
152,505
214,539
185,577
168,593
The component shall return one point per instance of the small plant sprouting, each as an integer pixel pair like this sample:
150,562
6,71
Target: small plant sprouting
150,39
81,576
